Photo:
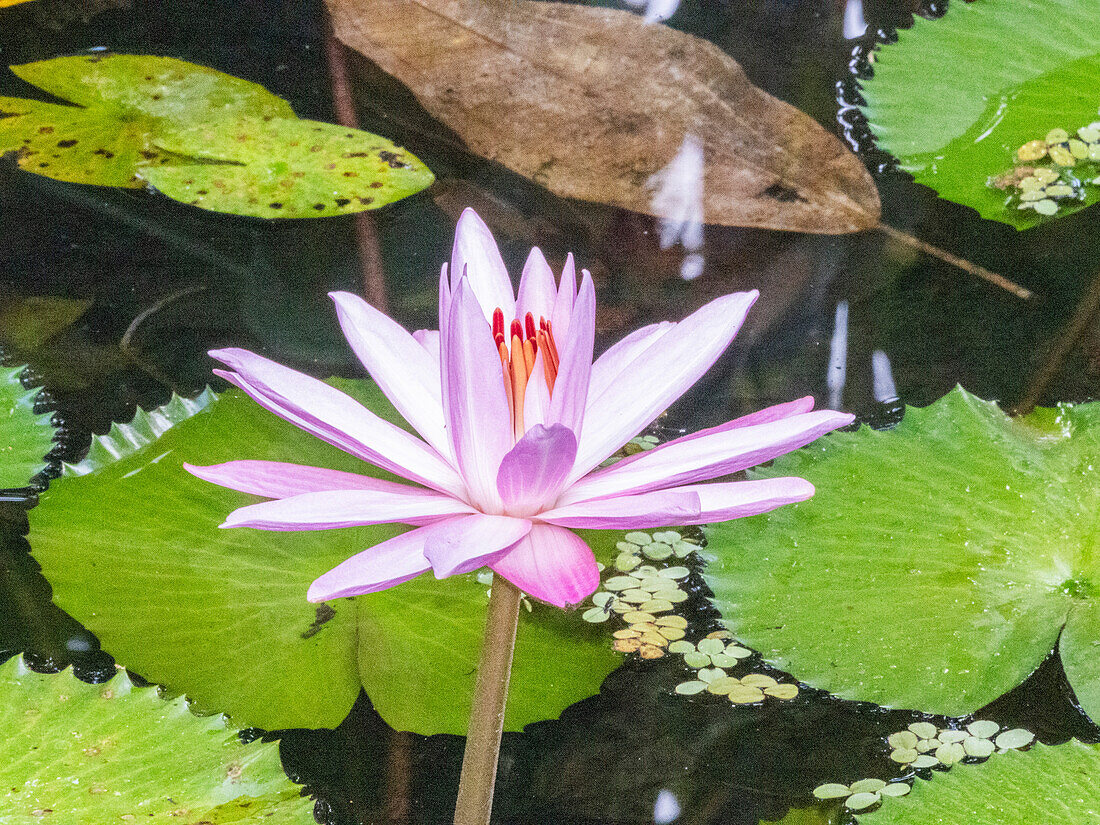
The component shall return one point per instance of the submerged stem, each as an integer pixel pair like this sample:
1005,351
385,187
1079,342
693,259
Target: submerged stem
955,260
479,762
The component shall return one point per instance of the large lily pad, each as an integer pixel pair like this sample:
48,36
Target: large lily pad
286,168
88,754
222,615
937,563
200,136
25,437
1052,785
1005,72
120,100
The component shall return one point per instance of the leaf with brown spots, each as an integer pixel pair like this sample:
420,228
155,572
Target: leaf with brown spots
75,145
593,102
160,87
285,168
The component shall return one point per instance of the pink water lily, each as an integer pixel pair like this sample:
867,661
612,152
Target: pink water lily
515,419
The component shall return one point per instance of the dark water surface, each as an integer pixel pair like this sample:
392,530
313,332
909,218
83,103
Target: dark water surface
262,286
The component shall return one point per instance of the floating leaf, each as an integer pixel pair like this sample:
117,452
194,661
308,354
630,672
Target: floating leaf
593,102
1006,72
200,136
286,169
221,614
25,437
937,563
88,754
1053,785
4,3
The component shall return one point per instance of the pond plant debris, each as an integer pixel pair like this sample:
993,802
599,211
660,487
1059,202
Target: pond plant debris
515,418
1070,164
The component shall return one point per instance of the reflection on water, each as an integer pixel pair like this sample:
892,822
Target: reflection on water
636,753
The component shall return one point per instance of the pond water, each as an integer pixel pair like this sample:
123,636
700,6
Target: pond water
262,285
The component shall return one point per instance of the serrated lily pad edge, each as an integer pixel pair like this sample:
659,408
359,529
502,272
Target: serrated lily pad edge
26,399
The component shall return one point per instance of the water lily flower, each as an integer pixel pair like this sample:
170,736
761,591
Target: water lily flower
515,418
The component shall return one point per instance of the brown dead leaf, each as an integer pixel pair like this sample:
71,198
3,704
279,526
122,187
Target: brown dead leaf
593,102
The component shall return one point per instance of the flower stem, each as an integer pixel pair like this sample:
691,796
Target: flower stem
479,762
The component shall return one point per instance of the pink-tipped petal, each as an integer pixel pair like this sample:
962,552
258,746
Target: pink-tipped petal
664,508
537,292
620,356
551,564
536,401
719,451
338,419
274,479
401,367
566,297
533,473
737,499
332,509
377,568
775,412
475,404
475,256
429,340
567,402
471,542
657,377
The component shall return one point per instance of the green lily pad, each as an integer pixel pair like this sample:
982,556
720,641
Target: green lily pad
937,563
1006,72
285,168
88,754
25,437
120,100
158,87
199,136
221,614
1052,785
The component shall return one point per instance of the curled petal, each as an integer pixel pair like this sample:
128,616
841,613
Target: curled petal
470,542
275,479
537,293
737,499
476,407
664,508
552,564
719,451
380,567
658,376
476,257
567,295
571,387
337,418
533,473
345,508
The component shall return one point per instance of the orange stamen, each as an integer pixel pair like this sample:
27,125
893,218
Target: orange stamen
518,352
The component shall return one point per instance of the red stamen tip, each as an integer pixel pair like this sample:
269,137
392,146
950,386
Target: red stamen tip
498,322
529,323
516,331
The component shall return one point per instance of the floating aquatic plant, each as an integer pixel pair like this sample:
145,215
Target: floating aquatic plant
200,136
1069,167
87,754
1006,73
25,436
938,565
1055,785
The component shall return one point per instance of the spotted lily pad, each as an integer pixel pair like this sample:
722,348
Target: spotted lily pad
88,754
938,563
284,168
120,102
1052,785
221,614
1005,72
25,437
199,136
